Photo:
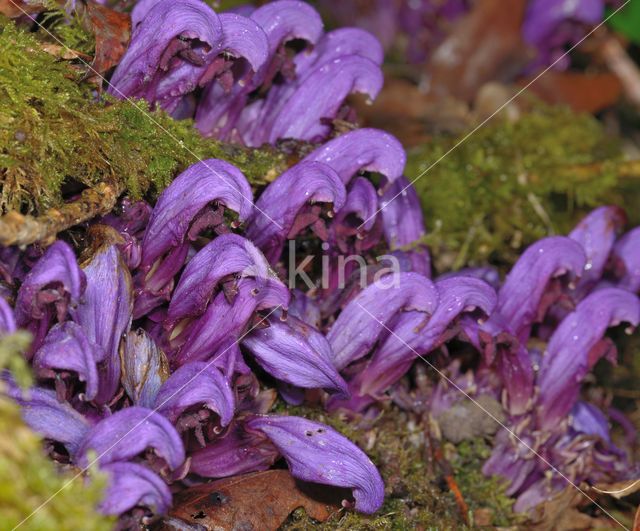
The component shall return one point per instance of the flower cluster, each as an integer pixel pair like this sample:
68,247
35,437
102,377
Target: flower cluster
253,76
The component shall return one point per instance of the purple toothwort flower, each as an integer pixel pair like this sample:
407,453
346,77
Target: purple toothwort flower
319,454
626,256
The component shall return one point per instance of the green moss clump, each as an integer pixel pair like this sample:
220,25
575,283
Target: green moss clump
416,496
56,139
511,183
31,489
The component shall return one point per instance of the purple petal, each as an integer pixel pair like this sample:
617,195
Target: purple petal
278,206
228,254
189,24
369,150
627,253
243,37
196,383
237,452
283,349
304,308
208,181
587,418
144,368
7,319
67,347
597,233
52,419
319,454
327,87
366,317
129,432
361,205
105,313
575,347
133,485
521,294
224,322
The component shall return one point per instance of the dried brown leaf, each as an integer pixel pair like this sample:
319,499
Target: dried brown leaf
112,30
17,8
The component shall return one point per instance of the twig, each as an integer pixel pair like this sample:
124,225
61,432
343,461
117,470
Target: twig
619,62
18,229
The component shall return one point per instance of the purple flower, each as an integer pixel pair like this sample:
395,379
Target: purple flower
319,454
144,367
220,263
370,150
51,418
238,451
626,254
278,212
193,384
67,348
50,289
287,352
369,314
105,313
133,485
128,433
576,346
7,319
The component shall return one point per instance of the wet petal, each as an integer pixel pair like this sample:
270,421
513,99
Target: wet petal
226,255
576,346
284,351
371,150
208,181
129,432
243,37
355,331
133,485
144,367
361,206
237,452
67,347
627,253
105,312
597,233
52,419
319,454
196,383
278,206
327,88
520,296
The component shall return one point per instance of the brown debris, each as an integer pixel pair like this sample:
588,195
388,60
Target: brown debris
112,30
260,501
17,8
18,229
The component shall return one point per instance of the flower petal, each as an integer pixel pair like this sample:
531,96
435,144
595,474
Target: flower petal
355,331
573,349
144,367
202,183
318,453
284,351
67,347
192,384
133,485
627,253
129,432
279,205
7,319
371,150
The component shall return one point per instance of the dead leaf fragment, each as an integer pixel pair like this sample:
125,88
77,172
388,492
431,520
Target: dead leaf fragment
113,31
260,501
17,8
63,52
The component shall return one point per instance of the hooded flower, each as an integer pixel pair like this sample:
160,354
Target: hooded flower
626,254
368,315
128,433
144,367
319,454
50,289
286,205
105,313
286,350
67,348
575,347
133,485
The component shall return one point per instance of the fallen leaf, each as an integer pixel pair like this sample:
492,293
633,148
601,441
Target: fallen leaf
112,30
260,501
584,92
64,53
17,8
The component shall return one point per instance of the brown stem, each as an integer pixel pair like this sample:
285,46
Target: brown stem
18,229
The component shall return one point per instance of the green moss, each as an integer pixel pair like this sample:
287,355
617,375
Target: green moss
57,139
32,490
416,495
511,183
